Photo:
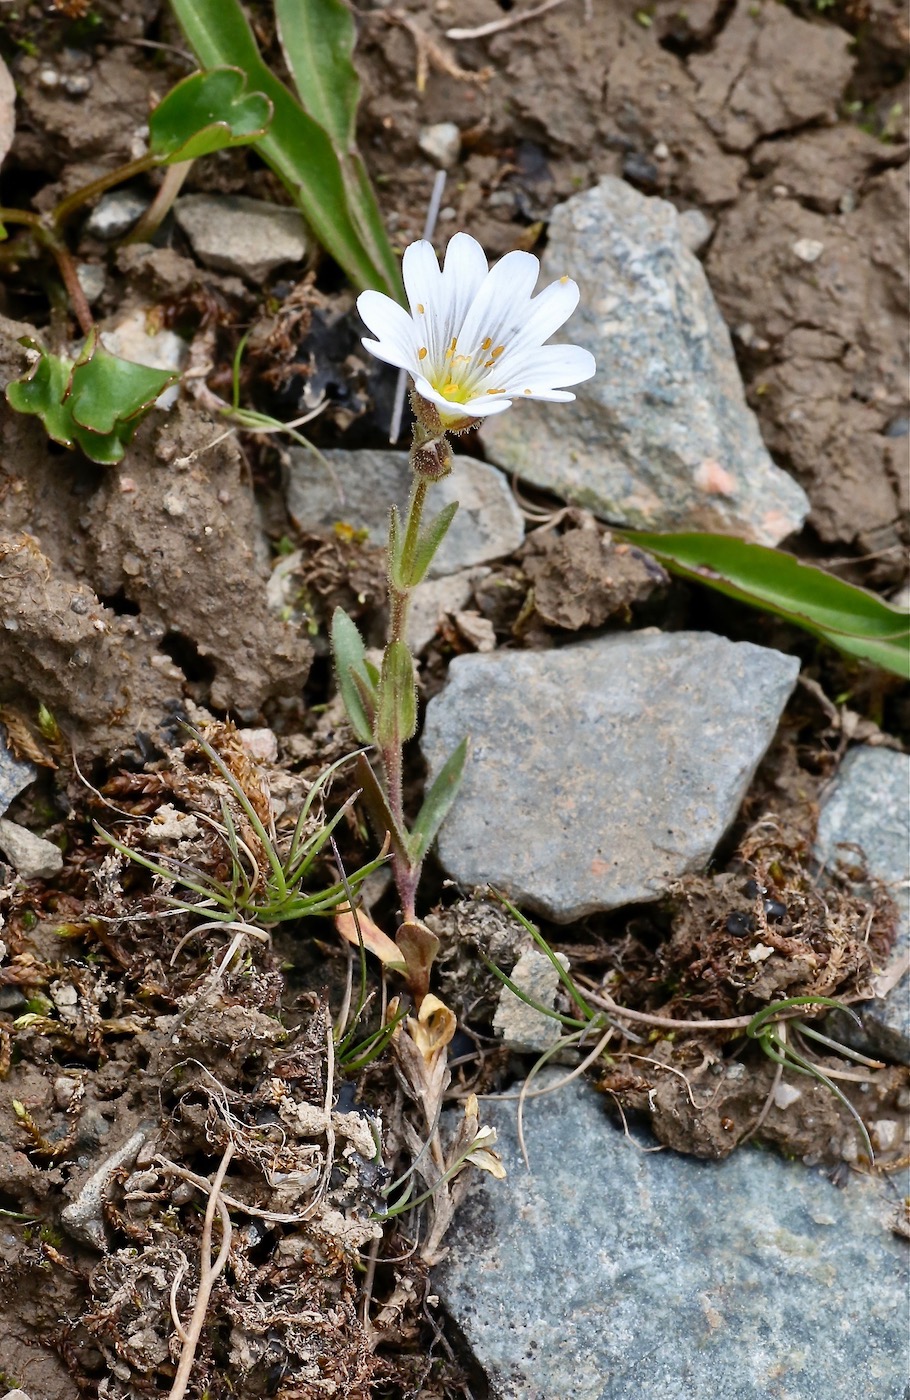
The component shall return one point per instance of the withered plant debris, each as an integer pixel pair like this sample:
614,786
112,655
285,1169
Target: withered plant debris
762,931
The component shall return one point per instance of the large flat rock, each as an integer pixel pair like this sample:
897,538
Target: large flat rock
601,772
609,1273
15,774
868,805
359,488
661,438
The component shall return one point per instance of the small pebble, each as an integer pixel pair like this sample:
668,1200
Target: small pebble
442,143
49,78
91,280
114,214
808,250
77,84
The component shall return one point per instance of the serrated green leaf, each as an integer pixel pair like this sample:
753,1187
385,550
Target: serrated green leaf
853,620
348,652
430,540
396,711
296,147
207,112
437,803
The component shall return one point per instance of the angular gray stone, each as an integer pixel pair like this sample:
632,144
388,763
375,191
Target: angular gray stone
115,213
599,773
15,774
360,487
31,856
250,237
661,438
868,805
613,1274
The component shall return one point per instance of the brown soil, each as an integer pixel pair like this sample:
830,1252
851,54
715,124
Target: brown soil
132,598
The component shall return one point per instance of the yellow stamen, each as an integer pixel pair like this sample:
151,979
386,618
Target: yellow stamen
486,344
488,363
422,353
529,391
496,391
450,388
420,307
498,351
563,280
454,344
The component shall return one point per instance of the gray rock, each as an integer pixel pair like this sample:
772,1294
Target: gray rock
599,773
521,1026
661,438
360,488
868,805
32,857
434,599
695,229
92,279
114,214
609,1273
441,142
247,236
14,775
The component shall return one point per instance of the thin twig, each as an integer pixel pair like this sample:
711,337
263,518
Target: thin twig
496,26
208,1273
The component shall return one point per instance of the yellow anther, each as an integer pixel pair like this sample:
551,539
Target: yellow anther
420,307
422,353
454,343
529,391
563,279
498,351
488,363
486,344
451,387
496,391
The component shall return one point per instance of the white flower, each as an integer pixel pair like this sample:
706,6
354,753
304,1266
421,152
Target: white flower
474,340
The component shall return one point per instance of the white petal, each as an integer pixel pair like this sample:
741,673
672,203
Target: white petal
474,408
500,306
548,311
397,343
550,367
391,324
422,277
463,275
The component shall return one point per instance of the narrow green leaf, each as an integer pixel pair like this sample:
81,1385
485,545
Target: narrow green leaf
207,112
380,814
318,38
437,802
396,711
296,147
430,540
348,652
853,620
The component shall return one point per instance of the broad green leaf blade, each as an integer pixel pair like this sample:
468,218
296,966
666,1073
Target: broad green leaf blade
430,540
348,652
853,620
437,802
295,146
105,391
207,112
318,38
396,713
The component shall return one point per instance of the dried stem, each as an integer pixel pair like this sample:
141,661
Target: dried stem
208,1273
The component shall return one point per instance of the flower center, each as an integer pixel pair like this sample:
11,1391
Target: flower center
459,376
